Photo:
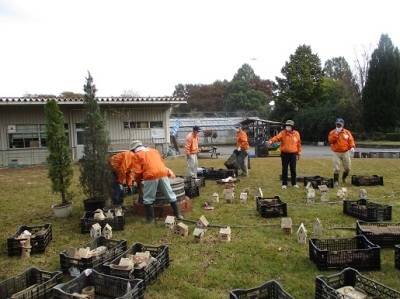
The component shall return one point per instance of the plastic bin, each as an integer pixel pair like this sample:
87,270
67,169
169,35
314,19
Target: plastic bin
114,248
318,181
373,180
148,273
32,283
269,290
42,237
87,220
270,207
356,252
236,159
384,234
366,210
105,286
326,286
217,174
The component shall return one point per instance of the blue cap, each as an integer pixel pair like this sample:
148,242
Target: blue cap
339,121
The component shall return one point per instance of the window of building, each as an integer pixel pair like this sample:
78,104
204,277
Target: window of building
156,124
141,124
28,136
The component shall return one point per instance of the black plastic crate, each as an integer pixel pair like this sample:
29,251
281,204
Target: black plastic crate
148,273
269,290
105,286
236,159
373,180
326,286
384,234
32,283
270,207
366,210
356,252
192,182
192,191
318,181
217,174
42,237
114,248
87,220
397,256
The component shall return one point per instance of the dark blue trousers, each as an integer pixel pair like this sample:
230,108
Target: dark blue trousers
288,160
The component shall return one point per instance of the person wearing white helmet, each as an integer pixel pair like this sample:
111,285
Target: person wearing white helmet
342,144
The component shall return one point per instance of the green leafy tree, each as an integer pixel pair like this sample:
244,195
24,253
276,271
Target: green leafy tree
96,175
59,159
381,94
301,85
241,97
201,97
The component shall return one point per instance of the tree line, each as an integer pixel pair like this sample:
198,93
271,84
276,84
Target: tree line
368,99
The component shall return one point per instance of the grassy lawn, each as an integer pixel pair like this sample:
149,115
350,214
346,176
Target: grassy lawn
259,250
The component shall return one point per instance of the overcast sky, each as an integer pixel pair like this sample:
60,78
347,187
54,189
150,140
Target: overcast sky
149,46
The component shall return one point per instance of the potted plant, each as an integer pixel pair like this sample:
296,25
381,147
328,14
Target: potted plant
95,174
59,159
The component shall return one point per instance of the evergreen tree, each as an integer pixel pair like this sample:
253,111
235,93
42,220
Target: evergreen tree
60,171
381,94
302,83
96,176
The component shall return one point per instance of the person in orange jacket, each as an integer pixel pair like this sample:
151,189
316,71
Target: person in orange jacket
242,144
342,144
149,169
191,151
290,152
122,165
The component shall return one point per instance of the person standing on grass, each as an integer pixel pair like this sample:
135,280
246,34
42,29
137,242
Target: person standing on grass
191,151
149,169
290,152
242,144
342,144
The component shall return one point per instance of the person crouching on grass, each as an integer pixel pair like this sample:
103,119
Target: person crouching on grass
149,169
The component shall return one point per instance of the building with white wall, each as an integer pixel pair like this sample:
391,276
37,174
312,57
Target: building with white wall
22,125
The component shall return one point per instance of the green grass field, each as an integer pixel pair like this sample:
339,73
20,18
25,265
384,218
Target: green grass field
259,250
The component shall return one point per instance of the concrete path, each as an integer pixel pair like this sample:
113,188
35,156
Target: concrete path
309,151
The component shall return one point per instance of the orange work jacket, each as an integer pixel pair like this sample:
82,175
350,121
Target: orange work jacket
241,140
148,165
290,142
122,164
341,142
191,144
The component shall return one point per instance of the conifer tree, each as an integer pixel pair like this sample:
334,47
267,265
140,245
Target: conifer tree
381,94
96,175
59,159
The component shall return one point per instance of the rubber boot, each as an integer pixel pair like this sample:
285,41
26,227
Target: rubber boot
335,179
175,208
149,213
345,174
